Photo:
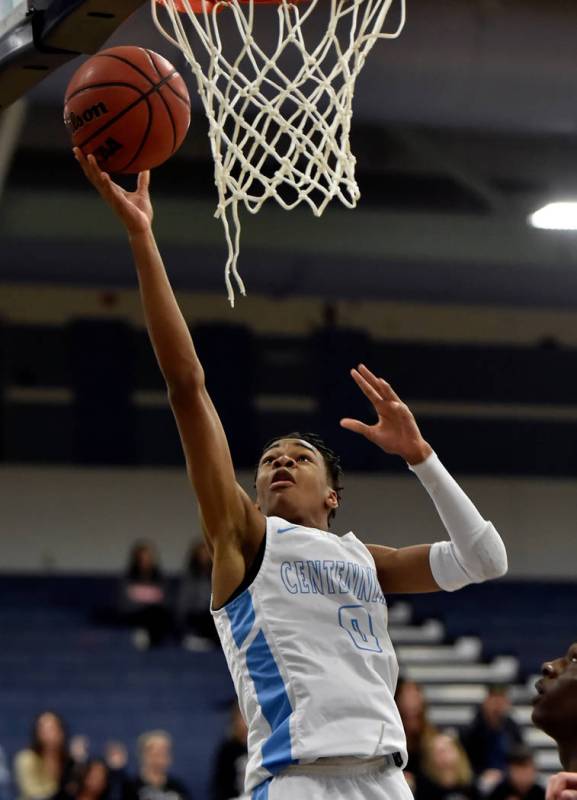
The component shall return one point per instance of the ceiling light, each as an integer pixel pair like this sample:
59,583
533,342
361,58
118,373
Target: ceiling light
556,217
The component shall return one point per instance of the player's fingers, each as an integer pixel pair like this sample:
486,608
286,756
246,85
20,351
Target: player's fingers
84,165
144,181
113,194
551,785
92,171
356,426
562,781
380,385
567,794
388,391
366,388
100,177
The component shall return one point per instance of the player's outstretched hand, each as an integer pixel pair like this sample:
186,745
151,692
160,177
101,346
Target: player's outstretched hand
395,431
133,208
562,786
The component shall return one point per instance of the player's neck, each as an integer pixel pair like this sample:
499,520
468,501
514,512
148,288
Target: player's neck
318,521
568,755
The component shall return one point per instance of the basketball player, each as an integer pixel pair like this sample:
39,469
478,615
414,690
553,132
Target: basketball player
555,712
301,612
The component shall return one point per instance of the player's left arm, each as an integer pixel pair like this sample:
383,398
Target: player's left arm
475,552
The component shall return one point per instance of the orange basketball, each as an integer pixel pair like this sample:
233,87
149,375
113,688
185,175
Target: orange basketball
129,107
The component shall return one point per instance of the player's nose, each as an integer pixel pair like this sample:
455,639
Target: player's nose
548,669
283,460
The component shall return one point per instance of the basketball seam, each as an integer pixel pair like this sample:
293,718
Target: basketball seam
144,138
185,100
128,63
100,86
143,73
143,96
166,106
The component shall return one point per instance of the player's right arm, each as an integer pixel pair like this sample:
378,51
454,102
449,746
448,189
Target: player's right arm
232,524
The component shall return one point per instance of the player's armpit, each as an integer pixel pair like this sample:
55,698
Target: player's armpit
406,570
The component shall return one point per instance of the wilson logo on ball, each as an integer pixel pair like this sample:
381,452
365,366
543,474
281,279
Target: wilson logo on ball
106,150
77,121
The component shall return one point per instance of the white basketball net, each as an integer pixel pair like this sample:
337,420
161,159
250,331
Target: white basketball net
277,135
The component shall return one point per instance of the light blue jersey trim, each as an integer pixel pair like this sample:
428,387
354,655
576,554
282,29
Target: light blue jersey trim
241,615
261,791
274,701
268,683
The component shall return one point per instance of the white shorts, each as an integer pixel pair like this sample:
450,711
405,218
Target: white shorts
365,781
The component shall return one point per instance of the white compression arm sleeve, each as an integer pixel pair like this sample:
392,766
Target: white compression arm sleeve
476,552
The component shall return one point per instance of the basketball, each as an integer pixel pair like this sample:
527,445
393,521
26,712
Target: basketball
129,107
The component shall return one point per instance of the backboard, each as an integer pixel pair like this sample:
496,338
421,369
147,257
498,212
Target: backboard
37,38
11,12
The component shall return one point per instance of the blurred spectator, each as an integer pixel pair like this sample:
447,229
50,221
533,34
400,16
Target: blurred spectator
520,781
491,736
193,608
418,730
445,771
45,768
230,762
79,750
143,597
154,781
93,782
116,759
5,778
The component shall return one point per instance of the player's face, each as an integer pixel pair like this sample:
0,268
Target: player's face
292,482
555,705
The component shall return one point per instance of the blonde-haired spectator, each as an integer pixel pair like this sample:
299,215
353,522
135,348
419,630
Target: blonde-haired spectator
445,771
154,781
412,706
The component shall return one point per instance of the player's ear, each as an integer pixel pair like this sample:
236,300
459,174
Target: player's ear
331,499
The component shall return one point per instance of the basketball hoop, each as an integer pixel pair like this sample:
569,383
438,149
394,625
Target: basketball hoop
279,117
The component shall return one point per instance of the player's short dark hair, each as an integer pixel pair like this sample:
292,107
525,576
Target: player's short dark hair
331,459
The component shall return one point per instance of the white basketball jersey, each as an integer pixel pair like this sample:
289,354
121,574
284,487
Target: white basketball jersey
309,653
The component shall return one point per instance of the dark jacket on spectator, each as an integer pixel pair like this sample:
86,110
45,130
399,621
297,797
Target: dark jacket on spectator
426,789
172,789
506,791
229,770
488,747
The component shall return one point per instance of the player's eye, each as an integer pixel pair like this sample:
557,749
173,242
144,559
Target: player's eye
266,460
303,458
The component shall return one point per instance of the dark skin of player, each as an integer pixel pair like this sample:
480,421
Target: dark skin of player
292,479
555,712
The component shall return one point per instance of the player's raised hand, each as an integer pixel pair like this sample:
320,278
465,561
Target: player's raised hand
133,208
562,786
395,431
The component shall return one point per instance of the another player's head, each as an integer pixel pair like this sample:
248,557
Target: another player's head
298,478
555,705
